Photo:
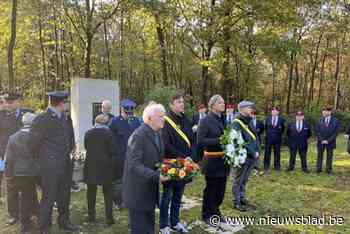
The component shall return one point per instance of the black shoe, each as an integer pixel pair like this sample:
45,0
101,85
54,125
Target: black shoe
244,202
240,207
266,172
110,221
329,172
318,171
306,171
12,221
69,227
290,169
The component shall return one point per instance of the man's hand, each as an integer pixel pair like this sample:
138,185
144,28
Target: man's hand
257,155
194,128
163,178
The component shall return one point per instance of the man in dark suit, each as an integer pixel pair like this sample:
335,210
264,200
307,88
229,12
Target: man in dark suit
326,130
196,118
230,113
258,128
202,112
298,133
257,125
10,123
52,141
274,126
141,177
122,127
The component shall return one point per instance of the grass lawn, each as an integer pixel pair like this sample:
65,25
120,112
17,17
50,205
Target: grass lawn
278,195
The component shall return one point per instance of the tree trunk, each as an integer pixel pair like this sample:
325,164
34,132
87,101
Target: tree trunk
109,70
290,81
43,55
11,46
337,79
162,47
311,90
322,74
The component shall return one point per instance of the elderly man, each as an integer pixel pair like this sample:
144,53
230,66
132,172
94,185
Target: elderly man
141,178
241,175
52,141
22,167
106,109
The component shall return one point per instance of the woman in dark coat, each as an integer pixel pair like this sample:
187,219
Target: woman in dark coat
209,132
101,157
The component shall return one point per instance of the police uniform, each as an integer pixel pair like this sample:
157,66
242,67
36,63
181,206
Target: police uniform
122,130
10,123
52,142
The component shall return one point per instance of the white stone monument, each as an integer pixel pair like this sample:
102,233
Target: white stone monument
86,98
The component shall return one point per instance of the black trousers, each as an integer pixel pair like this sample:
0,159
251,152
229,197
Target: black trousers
213,196
293,154
117,189
329,160
142,222
277,156
55,188
13,195
108,200
26,188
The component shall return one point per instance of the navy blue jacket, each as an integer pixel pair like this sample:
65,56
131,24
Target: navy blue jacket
52,141
274,134
258,129
329,133
122,130
296,138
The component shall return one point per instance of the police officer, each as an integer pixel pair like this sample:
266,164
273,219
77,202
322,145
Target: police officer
122,126
298,133
11,122
274,126
52,142
241,174
326,130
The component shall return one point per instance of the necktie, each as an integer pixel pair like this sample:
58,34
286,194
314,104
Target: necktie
327,121
157,140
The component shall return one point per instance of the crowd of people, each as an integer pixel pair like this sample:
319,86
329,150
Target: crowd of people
122,153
